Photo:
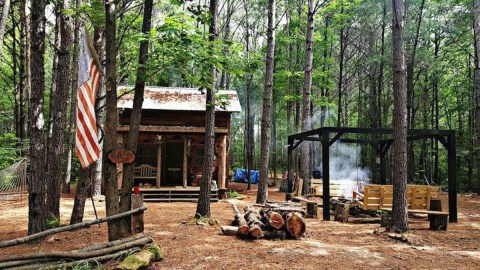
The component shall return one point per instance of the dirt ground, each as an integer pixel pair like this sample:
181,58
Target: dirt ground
327,245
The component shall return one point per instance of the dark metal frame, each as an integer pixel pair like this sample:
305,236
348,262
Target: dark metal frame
381,146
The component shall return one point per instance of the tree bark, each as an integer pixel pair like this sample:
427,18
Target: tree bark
58,115
136,117
83,184
262,193
36,197
3,23
399,209
203,204
305,169
476,30
110,169
73,102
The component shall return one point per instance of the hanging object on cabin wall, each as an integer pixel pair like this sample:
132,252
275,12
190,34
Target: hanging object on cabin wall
121,155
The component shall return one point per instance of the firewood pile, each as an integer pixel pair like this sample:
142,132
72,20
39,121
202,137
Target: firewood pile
269,221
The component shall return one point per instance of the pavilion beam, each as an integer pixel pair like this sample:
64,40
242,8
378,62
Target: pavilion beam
290,163
452,178
326,174
335,138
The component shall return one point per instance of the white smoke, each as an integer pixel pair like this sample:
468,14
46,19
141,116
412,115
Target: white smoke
345,165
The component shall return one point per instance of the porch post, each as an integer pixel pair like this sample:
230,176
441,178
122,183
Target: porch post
326,174
159,164
185,163
222,161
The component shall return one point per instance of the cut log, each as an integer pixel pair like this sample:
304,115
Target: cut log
289,196
342,212
312,209
256,231
152,253
43,234
239,220
230,230
438,222
274,219
295,225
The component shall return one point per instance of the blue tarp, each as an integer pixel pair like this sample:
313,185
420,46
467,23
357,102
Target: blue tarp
240,175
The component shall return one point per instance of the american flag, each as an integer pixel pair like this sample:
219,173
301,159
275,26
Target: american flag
87,147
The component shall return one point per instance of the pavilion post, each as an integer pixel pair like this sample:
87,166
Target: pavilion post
452,178
383,167
290,165
326,174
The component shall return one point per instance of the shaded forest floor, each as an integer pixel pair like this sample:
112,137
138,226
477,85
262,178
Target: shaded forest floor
326,245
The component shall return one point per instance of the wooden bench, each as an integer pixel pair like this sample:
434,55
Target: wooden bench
438,219
376,197
338,188
145,171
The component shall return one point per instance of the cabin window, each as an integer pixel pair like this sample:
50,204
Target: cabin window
199,156
146,155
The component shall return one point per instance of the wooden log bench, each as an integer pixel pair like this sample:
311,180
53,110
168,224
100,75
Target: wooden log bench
438,219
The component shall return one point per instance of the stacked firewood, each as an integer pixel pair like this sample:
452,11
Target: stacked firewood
269,221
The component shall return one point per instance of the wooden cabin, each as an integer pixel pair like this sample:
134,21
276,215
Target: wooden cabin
172,135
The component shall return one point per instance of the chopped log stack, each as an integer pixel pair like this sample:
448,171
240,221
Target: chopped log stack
273,220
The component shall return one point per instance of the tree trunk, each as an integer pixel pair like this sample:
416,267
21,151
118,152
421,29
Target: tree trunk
135,118
73,103
476,30
262,193
36,196
411,93
3,23
99,45
81,193
340,71
110,169
399,209
203,205
248,140
58,115
305,169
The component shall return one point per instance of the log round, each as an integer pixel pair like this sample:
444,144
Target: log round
295,225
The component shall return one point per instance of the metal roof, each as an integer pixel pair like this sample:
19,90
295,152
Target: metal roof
176,99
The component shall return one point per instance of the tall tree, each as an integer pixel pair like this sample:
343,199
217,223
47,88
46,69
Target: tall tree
249,131
36,195
399,209
136,116
3,23
58,114
476,31
203,204
111,117
305,161
262,193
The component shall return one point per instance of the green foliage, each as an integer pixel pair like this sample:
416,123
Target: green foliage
8,150
52,221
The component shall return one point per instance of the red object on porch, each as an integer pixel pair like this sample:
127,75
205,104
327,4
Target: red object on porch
136,190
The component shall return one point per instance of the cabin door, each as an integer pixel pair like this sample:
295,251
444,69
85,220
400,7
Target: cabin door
173,164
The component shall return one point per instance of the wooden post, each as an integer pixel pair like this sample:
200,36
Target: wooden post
185,162
137,219
452,178
326,174
159,165
222,161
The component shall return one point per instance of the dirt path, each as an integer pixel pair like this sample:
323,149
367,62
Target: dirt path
327,244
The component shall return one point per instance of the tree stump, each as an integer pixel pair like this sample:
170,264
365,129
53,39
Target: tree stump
312,209
386,220
222,193
437,222
342,212
288,197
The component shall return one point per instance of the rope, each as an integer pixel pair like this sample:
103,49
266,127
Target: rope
13,180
